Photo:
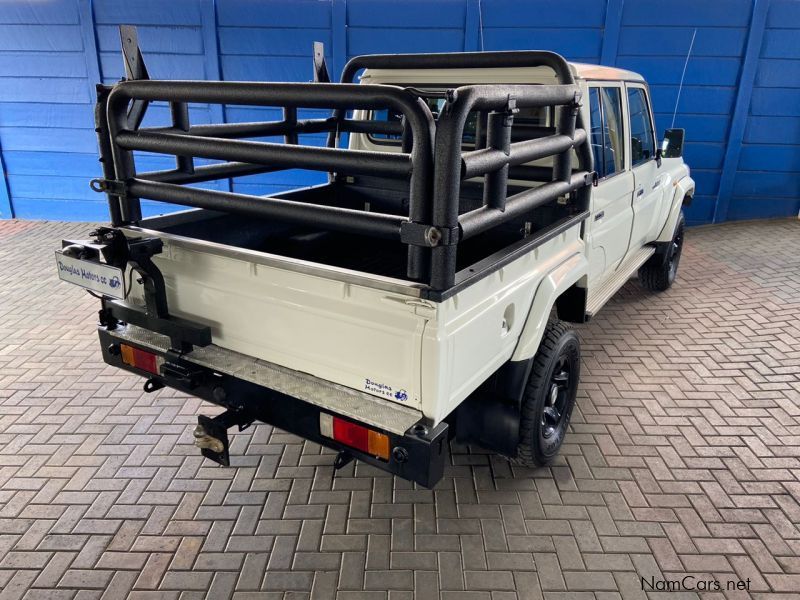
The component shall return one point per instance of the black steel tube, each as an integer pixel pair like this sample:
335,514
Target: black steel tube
406,137
311,215
290,120
180,121
461,60
268,128
207,173
447,172
257,129
447,166
530,173
481,123
301,95
265,153
495,97
480,162
104,145
317,95
562,165
124,165
455,60
364,126
481,219
498,138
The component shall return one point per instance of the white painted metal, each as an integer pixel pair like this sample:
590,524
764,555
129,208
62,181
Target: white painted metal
354,335
650,183
608,228
473,333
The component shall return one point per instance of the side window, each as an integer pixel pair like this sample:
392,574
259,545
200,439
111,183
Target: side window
596,123
643,144
605,108
613,142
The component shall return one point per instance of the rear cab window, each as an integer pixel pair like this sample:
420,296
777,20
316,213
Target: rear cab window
525,121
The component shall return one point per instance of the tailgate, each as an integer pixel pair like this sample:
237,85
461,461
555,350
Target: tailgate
282,311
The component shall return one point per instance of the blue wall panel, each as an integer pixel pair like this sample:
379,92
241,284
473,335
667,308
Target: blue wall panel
656,42
743,127
766,181
271,41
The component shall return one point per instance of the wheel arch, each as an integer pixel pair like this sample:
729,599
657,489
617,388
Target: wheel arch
684,189
565,287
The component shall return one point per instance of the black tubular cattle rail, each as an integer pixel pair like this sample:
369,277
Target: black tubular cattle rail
430,157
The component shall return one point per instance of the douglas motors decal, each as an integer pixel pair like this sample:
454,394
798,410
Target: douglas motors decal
385,390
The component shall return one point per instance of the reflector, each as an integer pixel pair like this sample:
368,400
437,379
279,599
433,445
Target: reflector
147,361
354,435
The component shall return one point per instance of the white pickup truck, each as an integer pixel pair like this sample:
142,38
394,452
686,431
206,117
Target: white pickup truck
476,205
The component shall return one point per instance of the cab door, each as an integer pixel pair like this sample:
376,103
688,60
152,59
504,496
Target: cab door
647,175
609,226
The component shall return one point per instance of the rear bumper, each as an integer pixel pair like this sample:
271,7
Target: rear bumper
419,451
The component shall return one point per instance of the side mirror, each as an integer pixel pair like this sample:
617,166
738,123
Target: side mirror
672,146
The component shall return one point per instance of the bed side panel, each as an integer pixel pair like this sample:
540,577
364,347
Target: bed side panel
477,330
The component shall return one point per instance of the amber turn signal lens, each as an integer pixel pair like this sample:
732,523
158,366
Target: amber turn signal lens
354,435
140,359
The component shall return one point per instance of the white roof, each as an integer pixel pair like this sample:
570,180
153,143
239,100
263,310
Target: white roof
589,71
495,75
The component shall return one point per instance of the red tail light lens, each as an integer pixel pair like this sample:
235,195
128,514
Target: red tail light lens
141,359
354,435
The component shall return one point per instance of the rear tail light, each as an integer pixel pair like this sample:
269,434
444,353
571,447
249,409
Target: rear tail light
141,359
355,436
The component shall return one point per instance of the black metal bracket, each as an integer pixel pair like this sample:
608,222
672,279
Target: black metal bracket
134,69
180,371
420,234
152,385
510,111
110,186
343,458
211,434
138,253
106,242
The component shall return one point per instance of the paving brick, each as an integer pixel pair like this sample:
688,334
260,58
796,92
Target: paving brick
683,457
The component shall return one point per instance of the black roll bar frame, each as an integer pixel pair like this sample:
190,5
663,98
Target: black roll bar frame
451,166
431,155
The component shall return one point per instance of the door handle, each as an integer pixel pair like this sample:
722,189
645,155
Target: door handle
639,191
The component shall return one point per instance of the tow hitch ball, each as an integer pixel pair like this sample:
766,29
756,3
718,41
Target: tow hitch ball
211,434
204,441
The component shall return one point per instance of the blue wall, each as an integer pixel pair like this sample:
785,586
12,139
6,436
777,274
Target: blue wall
740,103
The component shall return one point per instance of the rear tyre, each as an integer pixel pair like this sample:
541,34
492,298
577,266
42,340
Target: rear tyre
549,395
659,273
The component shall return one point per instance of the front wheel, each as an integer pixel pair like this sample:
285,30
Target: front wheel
549,395
659,273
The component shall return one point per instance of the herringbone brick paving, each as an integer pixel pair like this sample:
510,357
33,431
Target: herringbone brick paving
684,459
